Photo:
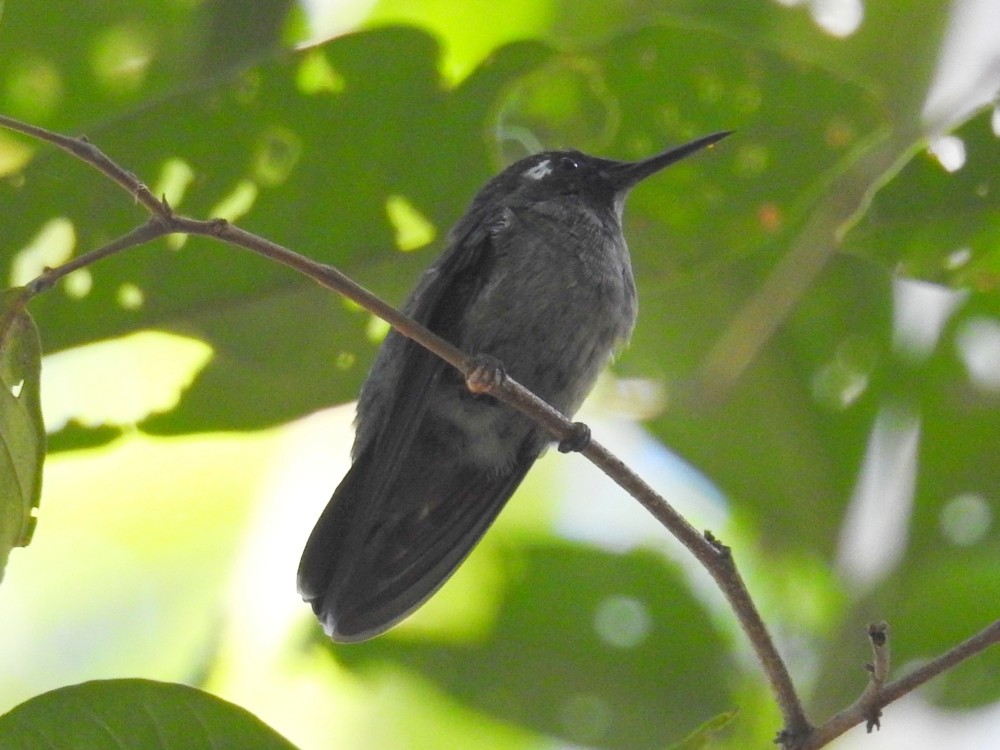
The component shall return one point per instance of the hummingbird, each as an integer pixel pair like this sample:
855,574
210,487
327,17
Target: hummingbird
536,275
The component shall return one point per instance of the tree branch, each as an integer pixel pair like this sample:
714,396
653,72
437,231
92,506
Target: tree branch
715,556
147,232
711,553
877,694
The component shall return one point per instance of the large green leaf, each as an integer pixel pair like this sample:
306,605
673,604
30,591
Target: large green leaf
134,714
319,142
22,435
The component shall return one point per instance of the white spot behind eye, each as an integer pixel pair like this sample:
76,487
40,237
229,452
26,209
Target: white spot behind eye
539,171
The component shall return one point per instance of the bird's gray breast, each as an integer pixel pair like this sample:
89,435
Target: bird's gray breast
559,301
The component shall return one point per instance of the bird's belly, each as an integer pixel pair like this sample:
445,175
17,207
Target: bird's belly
555,348
559,342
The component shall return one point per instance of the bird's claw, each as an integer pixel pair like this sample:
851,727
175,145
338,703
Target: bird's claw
578,439
485,375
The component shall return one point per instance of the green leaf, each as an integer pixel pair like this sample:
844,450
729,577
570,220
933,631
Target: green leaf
941,225
937,582
317,144
786,444
68,65
134,714
22,434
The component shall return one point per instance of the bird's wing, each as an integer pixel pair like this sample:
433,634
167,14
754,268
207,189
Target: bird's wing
396,527
432,521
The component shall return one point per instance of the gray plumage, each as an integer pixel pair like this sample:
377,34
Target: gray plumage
537,275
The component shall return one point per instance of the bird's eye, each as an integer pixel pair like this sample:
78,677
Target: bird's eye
568,163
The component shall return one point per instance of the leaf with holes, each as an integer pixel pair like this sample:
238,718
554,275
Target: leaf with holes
22,434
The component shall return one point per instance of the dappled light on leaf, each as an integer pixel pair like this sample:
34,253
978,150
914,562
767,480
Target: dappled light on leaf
121,57
317,180
130,296
949,151
567,103
15,153
376,329
413,229
52,245
874,536
175,177
622,621
120,382
752,159
316,75
277,152
937,219
842,381
345,361
838,17
920,313
237,202
34,88
79,283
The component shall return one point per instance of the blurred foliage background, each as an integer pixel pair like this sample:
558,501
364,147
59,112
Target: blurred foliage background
818,347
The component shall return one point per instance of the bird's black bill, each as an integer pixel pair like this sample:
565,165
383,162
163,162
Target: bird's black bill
627,174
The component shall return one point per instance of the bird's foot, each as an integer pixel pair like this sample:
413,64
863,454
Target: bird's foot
578,439
485,375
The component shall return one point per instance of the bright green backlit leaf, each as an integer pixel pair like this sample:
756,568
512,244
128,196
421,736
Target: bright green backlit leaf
22,436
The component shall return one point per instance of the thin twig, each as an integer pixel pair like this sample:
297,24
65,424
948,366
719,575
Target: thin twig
872,700
88,153
878,636
988,636
142,234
